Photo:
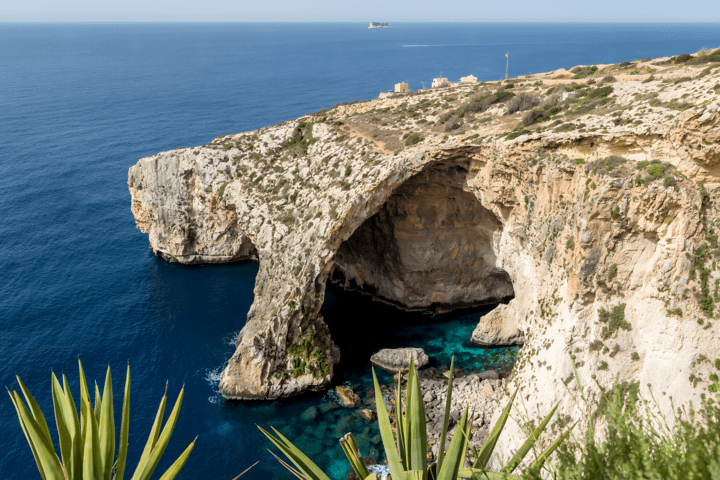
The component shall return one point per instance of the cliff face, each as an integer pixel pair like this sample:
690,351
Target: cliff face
597,213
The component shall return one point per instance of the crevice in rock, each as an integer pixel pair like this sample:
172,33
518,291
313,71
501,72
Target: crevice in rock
429,247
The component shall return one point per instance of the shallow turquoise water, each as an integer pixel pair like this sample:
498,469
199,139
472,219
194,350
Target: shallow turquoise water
360,327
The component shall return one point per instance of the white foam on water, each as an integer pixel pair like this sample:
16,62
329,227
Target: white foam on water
382,470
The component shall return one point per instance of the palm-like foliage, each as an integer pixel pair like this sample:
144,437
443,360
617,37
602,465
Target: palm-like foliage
87,441
406,452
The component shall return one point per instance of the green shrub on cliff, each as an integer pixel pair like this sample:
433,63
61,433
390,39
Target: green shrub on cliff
413,138
87,441
637,444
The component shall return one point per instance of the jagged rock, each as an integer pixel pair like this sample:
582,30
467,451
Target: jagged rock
398,359
499,327
367,414
347,397
488,389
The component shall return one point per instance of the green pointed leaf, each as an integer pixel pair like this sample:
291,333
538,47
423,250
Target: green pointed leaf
175,468
306,466
525,448
487,449
401,425
106,428
88,451
46,456
124,430
35,409
540,461
163,439
66,447
455,457
36,456
98,403
446,419
75,428
418,450
352,452
84,393
391,452
289,467
152,438
251,466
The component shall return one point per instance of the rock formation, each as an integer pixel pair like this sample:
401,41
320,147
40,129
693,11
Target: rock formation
598,215
398,359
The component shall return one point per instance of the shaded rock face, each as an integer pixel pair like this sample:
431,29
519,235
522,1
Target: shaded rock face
429,247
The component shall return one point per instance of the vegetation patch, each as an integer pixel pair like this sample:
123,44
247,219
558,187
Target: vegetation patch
614,320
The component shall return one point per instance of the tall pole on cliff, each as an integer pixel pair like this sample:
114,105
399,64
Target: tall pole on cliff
507,56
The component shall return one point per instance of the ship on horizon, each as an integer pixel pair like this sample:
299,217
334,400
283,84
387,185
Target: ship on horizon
379,25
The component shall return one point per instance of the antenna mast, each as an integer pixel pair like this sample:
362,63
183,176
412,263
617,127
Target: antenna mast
507,66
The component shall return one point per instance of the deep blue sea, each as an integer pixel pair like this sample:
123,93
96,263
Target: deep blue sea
80,103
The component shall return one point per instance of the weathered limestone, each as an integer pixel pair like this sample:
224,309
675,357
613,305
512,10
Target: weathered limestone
466,217
429,247
347,397
499,327
398,359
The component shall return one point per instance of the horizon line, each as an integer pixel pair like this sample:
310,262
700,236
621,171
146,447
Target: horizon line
168,22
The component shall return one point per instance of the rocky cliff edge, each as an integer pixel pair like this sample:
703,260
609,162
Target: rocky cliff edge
588,196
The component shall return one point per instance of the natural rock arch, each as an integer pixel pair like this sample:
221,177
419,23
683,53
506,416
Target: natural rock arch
430,246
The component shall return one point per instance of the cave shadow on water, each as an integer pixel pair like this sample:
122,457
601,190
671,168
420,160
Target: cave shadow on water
361,326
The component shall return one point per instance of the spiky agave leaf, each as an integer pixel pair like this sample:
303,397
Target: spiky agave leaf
87,441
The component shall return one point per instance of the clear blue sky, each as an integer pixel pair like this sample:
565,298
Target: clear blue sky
359,11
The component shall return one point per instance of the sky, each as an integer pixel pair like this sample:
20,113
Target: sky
359,11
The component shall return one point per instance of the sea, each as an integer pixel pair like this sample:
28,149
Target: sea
82,102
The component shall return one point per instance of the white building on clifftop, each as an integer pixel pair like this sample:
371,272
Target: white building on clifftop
440,82
468,79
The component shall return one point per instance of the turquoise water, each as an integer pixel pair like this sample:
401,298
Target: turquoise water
360,327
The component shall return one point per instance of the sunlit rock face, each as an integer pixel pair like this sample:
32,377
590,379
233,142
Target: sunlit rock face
429,247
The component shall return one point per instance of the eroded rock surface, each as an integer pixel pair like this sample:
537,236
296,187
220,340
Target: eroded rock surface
499,327
398,359
589,208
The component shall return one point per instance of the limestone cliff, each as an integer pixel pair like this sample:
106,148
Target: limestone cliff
590,197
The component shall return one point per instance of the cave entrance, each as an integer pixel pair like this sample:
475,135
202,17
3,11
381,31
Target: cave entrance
429,247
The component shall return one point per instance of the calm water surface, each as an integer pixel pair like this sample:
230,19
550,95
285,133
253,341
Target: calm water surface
80,103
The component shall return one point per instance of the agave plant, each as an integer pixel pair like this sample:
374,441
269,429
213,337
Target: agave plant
87,442
406,452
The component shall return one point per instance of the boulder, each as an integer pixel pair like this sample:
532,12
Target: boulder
368,414
488,375
310,414
499,327
347,397
398,359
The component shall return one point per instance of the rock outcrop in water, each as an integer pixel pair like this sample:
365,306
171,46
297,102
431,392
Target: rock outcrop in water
595,209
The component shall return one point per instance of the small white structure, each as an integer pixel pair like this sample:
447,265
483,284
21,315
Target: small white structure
440,82
468,79
401,88
386,94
